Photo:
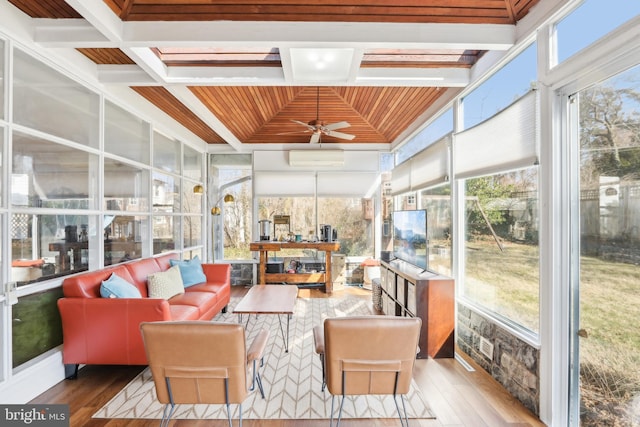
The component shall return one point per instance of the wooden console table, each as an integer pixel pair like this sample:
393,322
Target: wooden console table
320,277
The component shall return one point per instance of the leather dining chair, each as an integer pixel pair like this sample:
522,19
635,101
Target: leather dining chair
368,355
202,362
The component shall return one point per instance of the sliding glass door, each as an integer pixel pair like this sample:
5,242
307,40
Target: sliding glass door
606,303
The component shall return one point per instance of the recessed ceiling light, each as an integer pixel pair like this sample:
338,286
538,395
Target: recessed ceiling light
321,64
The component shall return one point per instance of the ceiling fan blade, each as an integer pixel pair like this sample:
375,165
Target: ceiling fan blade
336,126
315,138
340,135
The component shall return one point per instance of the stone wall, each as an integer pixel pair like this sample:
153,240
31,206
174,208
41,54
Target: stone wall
515,364
242,273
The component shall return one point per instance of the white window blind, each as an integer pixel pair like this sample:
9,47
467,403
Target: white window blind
357,184
284,184
401,178
431,166
506,141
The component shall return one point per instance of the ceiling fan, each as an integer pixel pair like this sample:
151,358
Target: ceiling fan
318,128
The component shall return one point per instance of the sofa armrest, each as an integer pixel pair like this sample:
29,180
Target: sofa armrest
217,273
107,330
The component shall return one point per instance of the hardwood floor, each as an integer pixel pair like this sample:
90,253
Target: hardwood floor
458,397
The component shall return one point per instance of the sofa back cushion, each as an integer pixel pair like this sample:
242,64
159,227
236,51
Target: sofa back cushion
87,285
165,260
140,271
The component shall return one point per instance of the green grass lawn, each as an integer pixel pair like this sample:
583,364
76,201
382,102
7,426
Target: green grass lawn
508,282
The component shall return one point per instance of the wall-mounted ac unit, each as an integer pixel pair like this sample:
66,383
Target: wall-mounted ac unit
316,158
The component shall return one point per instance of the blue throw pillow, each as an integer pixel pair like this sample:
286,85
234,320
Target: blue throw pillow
190,270
116,287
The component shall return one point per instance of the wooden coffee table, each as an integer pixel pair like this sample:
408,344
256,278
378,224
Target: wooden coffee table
270,299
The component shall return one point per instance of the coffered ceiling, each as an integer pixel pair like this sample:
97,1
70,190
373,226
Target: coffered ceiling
247,74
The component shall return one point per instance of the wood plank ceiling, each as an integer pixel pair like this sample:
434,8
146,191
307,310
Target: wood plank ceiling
256,114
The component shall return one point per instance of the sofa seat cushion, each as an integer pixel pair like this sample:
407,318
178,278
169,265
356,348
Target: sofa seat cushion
184,312
203,301
216,288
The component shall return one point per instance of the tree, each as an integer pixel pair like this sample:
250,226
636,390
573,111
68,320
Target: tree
609,133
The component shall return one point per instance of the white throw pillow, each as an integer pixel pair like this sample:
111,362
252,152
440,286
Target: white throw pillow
165,284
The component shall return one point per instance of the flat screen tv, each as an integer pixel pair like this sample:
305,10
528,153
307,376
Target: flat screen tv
410,237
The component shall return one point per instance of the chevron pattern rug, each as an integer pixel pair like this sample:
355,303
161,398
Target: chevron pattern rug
292,381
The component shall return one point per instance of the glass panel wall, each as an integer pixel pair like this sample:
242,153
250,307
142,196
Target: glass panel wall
502,88
501,246
443,125
352,221
192,163
45,100
232,172
590,22
56,226
166,153
126,187
125,134
437,202
166,200
3,80
46,246
608,293
123,237
50,175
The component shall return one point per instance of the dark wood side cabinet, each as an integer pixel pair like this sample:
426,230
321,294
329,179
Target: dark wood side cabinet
410,291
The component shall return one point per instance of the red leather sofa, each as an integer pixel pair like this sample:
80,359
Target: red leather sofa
106,331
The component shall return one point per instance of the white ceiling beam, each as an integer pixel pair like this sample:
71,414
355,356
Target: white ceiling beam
327,34
134,75
149,62
98,14
425,77
69,33
224,76
124,75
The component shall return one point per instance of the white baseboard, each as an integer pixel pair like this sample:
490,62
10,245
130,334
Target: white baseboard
27,384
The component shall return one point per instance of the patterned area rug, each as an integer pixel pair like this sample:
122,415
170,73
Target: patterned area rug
292,381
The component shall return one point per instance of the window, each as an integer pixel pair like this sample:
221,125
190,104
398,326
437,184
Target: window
607,303
126,187
125,134
166,153
591,21
441,126
501,246
232,229
45,100
501,89
192,163
2,79
352,220
437,202
50,175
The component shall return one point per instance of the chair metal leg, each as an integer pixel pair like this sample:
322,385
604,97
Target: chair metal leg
402,414
324,378
257,379
164,422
